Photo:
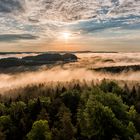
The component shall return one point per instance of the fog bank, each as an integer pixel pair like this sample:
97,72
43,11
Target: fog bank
79,70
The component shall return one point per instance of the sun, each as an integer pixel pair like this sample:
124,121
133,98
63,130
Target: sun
66,35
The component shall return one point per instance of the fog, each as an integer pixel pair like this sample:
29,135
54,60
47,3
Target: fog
109,59
18,55
79,70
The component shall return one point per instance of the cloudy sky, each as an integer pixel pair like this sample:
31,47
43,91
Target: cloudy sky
97,25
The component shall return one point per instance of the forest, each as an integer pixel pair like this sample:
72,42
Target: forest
119,69
76,110
37,60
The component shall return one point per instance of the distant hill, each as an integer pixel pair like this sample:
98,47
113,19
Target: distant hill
41,59
119,69
51,57
44,57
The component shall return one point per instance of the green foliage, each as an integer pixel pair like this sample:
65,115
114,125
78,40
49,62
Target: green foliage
5,121
2,109
132,113
66,130
97,121
40,131
137,137
70,111
5,127
131,129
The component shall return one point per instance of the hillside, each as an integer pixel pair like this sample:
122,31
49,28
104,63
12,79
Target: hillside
41,59
119,69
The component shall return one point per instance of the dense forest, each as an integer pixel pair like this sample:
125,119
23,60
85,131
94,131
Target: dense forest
71,111
37,60
118,69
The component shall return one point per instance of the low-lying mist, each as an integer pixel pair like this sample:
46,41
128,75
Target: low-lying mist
59,74
79,71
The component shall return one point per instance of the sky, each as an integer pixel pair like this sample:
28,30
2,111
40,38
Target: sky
65,25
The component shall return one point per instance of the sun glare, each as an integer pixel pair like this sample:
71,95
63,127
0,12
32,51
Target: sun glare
66,35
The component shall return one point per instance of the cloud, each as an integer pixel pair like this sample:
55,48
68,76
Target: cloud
15,37
47,18
7,6
70,10
93,25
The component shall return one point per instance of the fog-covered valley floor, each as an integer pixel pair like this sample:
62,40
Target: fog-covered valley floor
83,69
